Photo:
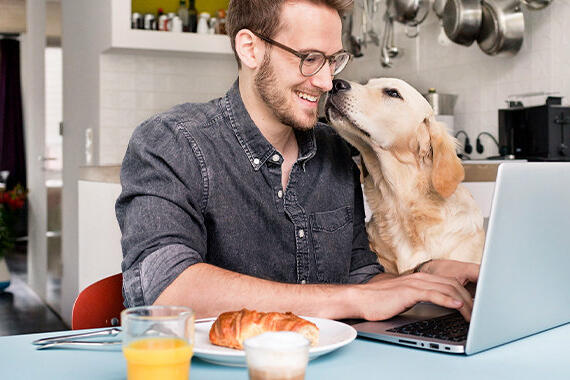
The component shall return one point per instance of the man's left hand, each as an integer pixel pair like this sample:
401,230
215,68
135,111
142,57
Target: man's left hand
464,273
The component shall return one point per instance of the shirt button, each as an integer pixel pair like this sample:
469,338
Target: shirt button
275,158
301,233
303,282
280,194
256,161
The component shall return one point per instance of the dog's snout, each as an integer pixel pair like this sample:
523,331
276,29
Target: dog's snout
340,85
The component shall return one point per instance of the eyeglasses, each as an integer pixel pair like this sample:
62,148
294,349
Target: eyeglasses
313,61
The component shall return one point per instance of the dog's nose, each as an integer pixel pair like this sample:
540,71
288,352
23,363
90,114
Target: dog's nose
340,85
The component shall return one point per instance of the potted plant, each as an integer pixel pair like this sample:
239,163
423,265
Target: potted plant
10,202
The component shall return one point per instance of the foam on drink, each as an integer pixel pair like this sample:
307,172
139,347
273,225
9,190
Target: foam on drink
279,355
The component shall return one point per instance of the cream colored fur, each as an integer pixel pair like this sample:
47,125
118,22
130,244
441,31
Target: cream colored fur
419,209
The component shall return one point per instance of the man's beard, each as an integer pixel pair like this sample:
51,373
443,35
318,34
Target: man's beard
267,86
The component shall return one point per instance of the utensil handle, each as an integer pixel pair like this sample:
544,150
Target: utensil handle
108,332
78,343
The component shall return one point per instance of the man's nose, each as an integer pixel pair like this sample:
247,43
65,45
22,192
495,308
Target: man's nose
339,85
323,79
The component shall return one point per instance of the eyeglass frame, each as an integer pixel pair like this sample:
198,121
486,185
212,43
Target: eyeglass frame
304,56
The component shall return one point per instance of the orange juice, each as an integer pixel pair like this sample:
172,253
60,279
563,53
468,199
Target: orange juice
158,358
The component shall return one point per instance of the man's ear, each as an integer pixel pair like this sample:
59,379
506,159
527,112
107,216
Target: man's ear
248,50
447,171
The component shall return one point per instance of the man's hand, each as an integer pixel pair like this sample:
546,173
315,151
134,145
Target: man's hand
383,299
462,272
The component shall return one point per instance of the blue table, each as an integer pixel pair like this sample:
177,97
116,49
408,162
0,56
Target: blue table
543,356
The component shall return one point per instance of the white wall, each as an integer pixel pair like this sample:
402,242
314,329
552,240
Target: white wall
82,41
53,101
482,82
135,87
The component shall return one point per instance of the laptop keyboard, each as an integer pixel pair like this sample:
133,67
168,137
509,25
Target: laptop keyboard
450,327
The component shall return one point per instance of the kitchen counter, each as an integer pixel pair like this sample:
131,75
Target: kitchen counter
103,173
475,171
483,170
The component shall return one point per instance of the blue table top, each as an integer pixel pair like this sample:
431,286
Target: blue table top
541,356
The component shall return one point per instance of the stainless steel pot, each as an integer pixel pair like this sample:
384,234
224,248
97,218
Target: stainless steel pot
442,104
409,12
502,27
462,20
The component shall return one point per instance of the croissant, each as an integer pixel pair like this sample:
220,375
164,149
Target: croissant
232,328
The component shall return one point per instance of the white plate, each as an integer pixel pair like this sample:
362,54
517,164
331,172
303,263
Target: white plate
332,335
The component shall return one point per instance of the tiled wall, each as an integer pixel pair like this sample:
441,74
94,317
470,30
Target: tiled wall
483,83
134,87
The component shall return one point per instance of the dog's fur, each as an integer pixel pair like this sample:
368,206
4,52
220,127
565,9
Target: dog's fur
419,209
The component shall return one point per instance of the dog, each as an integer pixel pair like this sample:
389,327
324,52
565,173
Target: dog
419,209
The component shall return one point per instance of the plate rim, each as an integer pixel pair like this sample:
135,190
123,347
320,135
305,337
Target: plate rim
313,351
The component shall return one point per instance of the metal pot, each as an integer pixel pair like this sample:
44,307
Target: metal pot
409,12
502,27
442,104
462,20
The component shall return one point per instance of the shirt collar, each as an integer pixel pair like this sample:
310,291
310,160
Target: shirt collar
254,144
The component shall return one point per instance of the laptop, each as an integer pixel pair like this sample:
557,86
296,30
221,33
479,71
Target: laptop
523,280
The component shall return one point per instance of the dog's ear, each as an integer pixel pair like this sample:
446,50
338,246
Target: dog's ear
447,171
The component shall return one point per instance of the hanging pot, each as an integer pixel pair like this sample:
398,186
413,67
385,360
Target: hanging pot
462,20
502,27
409,12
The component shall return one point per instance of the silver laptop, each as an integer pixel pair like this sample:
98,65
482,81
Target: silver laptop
524,277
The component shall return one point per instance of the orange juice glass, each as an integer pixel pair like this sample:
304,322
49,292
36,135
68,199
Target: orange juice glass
158,342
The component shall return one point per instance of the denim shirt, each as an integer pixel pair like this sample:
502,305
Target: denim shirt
200,183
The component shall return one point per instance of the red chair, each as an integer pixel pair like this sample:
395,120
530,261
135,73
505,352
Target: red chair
99,305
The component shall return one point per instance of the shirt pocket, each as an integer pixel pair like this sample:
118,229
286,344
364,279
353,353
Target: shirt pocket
332,243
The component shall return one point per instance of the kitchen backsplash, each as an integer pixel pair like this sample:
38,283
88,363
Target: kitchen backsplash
483,83
134,87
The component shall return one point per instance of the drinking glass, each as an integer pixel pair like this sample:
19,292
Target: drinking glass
279,355
158,342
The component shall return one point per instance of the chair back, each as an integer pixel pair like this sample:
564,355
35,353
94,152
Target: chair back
99,305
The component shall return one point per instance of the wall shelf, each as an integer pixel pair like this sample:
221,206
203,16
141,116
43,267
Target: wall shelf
124,38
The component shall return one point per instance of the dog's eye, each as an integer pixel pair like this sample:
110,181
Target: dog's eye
393,93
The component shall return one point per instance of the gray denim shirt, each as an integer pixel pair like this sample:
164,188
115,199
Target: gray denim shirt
200,183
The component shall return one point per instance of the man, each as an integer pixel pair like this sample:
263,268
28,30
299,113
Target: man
246,201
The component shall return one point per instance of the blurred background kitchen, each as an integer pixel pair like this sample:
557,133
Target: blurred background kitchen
77,76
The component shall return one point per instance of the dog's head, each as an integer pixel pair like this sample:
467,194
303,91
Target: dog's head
389,114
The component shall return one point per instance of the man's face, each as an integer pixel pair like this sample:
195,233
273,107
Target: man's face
292,97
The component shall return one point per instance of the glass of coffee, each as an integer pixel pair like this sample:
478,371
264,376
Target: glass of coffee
281,355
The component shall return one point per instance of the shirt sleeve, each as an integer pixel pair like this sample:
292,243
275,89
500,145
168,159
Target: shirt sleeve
160,209
363,264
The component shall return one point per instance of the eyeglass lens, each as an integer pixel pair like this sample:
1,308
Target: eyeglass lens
315,61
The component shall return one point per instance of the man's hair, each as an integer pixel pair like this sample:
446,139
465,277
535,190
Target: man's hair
262,16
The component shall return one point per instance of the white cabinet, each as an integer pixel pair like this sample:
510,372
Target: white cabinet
100,253
122,37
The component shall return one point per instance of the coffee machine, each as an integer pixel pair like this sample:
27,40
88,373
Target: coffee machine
538,133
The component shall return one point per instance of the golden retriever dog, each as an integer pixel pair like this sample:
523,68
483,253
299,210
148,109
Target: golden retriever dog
419,209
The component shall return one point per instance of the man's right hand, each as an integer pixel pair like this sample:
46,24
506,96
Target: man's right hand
384,298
